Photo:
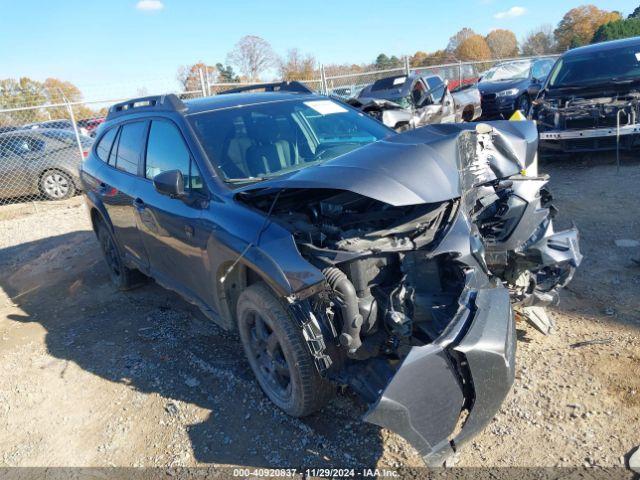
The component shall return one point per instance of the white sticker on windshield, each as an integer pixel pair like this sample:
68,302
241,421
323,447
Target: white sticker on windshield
638,56
325,107
399,80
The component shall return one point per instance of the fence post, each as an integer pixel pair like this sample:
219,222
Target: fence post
75,126
323,80
459,73
407,68
203,85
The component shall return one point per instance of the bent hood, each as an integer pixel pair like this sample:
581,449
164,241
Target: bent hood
426,165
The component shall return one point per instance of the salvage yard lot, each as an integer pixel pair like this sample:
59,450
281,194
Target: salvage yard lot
90,376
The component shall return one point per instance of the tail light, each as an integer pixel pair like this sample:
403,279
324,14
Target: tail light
85,153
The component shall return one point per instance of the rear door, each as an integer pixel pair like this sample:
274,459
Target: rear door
119,185
172,228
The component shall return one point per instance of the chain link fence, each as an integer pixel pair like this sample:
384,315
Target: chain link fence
42,146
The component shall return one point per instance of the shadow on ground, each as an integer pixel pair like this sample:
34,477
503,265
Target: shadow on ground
155,342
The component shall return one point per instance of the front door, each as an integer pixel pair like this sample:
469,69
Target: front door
172,228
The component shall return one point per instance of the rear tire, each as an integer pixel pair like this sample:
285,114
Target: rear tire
122,277
278,355
57,185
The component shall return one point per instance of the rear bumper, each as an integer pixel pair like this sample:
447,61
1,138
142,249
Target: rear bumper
470,367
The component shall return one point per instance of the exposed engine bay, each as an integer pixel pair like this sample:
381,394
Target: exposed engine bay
579,123
423,264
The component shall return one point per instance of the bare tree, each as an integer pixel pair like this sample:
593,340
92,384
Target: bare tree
539,42
252,55
189,76
296,66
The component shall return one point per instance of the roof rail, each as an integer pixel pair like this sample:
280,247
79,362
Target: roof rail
169,102
272,87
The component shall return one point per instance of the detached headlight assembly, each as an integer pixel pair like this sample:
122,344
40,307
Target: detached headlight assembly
508,93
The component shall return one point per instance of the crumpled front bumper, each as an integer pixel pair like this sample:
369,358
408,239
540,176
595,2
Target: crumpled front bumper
470,366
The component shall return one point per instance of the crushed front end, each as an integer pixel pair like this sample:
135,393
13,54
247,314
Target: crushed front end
409,317
423,241
588,123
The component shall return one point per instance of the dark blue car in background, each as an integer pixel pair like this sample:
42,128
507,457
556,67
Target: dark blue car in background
505,87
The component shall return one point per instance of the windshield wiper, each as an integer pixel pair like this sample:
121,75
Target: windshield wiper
246,180
620,81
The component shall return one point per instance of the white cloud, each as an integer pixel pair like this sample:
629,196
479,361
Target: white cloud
511,13
149,5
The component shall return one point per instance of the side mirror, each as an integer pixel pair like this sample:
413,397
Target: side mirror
170,183
534,90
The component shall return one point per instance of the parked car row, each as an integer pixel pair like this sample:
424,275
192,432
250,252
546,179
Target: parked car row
42,161
85,127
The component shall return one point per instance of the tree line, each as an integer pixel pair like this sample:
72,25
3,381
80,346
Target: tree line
253,56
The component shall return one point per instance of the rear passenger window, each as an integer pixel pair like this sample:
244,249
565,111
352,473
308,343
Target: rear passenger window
104,147
130,146
166,150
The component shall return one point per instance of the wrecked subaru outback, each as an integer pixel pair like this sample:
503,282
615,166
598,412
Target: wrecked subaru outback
344,254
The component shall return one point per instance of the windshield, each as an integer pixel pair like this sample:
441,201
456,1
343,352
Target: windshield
404,102
611,65
260,141
508,71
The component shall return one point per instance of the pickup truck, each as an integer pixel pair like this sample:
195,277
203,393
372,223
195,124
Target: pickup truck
404,102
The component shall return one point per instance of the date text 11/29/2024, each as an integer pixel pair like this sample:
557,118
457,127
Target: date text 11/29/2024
314,473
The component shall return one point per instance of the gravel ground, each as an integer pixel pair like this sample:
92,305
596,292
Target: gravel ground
94,377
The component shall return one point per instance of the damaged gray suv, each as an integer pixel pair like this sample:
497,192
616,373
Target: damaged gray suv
344,254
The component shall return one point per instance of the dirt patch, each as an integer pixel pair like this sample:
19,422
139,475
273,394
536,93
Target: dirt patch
90,376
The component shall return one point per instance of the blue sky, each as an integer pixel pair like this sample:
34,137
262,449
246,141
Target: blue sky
113,48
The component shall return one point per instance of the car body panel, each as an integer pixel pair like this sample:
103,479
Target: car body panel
424,399
20,174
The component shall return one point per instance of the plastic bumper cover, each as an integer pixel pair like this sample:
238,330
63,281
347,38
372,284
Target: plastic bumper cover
424,399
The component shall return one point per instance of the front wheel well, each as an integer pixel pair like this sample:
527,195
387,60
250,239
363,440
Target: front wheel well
235,282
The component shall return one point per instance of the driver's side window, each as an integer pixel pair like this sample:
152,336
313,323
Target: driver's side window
166,150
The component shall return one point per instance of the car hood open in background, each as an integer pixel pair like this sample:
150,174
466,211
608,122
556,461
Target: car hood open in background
419,166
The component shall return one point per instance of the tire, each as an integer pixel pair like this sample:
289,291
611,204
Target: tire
57,185
277,354
121,276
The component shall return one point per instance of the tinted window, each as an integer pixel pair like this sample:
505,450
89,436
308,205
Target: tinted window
541,69
621,64
436,88
166,150
22,145
130,146
104,147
